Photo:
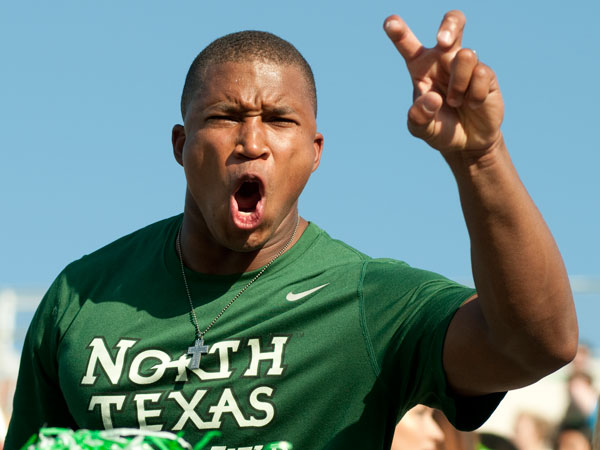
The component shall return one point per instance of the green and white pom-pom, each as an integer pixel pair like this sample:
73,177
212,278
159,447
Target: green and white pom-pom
116,439
122,439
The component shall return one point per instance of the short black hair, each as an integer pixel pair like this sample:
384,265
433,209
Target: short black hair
246,46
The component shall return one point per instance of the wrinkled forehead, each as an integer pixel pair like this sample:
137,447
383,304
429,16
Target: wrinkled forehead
252,82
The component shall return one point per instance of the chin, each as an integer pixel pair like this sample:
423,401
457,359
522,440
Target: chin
246,241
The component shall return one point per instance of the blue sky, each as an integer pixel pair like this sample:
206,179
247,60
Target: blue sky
90,91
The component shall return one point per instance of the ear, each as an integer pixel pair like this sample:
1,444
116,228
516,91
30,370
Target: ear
318,148
178,141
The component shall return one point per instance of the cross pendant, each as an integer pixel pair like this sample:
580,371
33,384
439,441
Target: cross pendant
197,351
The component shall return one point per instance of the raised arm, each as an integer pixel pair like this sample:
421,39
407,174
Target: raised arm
522,324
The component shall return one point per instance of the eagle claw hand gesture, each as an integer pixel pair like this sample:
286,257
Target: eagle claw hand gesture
457,101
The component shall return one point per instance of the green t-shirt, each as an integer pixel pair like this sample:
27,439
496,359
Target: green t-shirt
327,350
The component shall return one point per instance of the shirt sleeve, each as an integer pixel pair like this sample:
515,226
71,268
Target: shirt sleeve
38,400
406,314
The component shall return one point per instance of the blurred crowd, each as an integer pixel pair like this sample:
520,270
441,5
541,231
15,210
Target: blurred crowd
423,428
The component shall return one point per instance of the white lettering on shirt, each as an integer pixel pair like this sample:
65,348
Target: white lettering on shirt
100,354
159,369
225,348
143,413
189,412
275,356
105,401
194,407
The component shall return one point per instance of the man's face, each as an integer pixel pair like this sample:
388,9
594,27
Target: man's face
249,147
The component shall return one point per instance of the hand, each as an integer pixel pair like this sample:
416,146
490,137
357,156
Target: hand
457,101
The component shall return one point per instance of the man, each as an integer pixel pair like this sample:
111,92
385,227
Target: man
241,323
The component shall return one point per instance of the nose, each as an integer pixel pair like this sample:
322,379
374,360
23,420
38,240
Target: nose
252,141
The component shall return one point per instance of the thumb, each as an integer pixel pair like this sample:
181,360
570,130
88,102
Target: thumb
422,113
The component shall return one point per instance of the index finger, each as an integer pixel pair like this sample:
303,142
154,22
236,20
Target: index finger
403,38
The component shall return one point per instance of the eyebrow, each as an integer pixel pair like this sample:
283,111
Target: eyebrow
281,110
232,108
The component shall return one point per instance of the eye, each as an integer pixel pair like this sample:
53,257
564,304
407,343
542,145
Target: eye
282,121
221,118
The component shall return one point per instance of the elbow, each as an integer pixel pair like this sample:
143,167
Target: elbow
558,336
539,361
560,350
558,358
567,350
540,354
566,338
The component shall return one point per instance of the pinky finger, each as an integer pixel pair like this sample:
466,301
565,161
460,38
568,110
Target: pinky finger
480,85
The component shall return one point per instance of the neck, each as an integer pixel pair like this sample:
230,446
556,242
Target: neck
202,253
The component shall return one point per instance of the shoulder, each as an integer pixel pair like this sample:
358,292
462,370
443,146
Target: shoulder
392,270
135,248
399,280
335,249
106,268
377,274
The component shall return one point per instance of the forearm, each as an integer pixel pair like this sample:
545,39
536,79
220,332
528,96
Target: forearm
523,288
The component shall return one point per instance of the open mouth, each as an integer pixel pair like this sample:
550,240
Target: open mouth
247,203
248,196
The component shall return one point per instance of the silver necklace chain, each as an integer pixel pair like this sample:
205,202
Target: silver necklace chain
199,334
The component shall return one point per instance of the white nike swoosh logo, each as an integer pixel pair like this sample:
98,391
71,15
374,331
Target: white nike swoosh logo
291,297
